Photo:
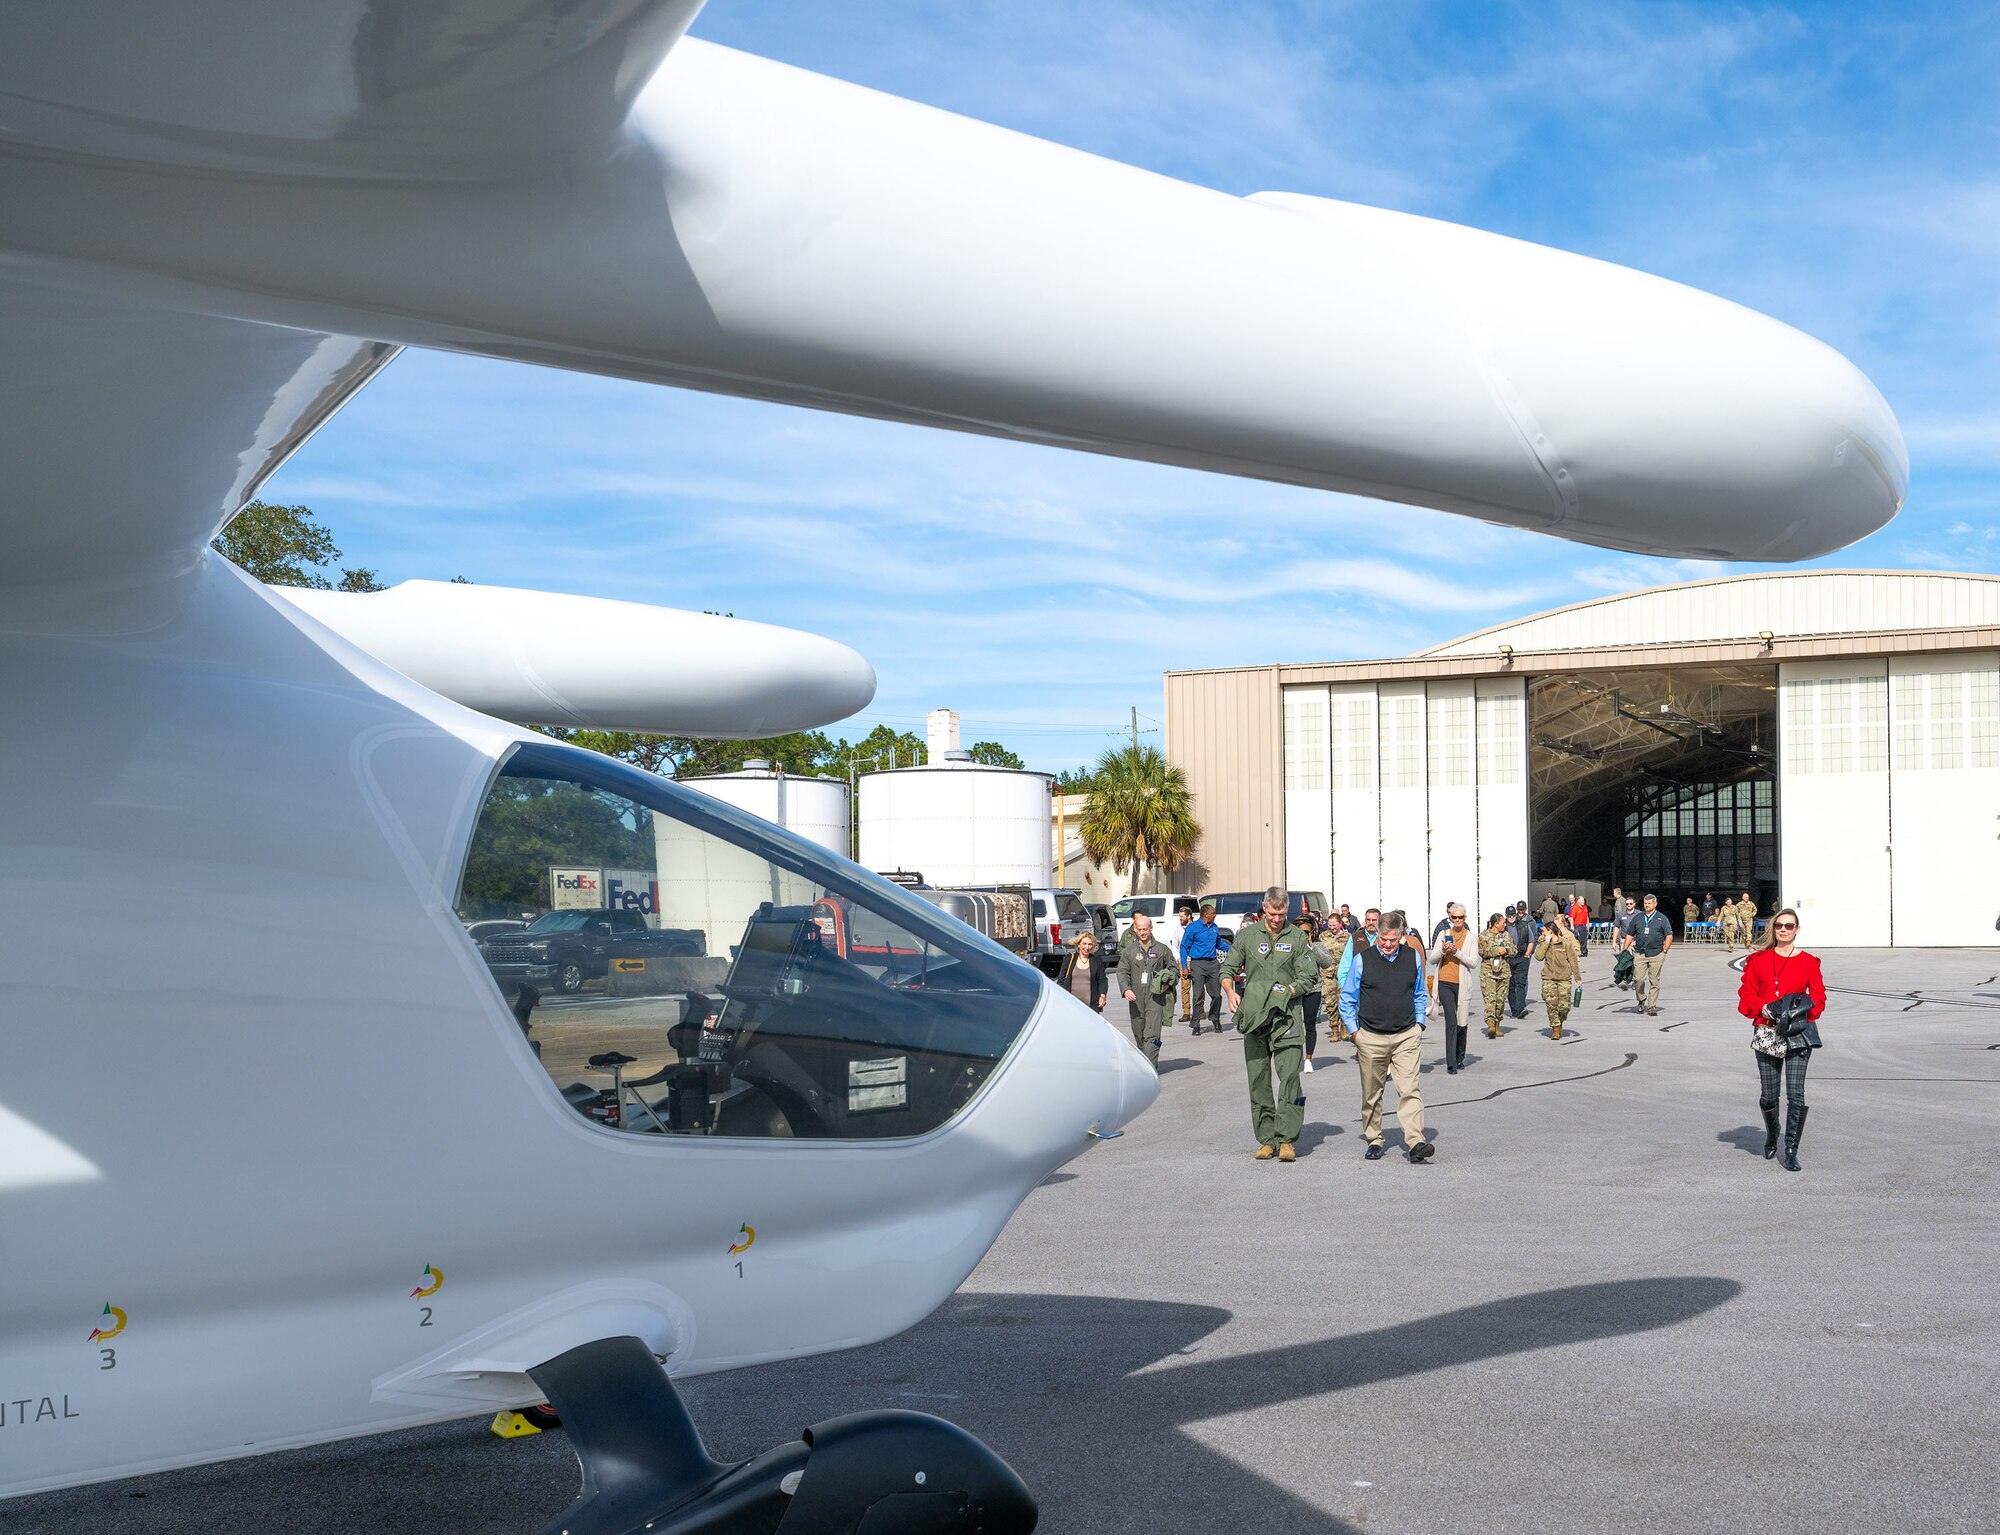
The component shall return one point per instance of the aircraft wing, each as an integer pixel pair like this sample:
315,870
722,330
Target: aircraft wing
753,229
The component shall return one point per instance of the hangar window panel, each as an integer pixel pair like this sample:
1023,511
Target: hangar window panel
1983,724
1910,732
1450,739
1801,695
680,967
1402,723
1352,730
1499,738
1305,738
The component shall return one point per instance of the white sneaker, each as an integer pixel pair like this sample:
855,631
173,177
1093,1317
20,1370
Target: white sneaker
1308,1065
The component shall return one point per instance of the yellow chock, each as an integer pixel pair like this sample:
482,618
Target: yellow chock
511,1425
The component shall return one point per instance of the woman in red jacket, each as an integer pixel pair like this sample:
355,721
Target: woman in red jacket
1776,968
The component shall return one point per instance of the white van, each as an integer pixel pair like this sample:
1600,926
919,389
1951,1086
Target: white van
1161,908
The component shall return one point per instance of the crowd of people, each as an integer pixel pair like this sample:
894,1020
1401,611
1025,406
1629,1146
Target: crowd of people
1375,983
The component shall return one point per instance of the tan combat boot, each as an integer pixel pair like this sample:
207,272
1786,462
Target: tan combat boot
1265,1153
1286,1154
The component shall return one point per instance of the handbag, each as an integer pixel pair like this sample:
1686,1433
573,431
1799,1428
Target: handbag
1791,1016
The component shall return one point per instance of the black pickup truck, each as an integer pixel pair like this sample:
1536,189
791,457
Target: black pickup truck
561,950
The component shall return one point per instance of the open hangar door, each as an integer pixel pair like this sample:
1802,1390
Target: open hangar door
1657,779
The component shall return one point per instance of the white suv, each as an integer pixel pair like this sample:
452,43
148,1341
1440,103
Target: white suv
1160,908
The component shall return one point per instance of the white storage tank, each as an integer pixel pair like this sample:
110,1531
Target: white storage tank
958,822
814,808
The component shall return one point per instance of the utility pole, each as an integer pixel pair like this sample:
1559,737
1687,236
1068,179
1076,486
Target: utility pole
1135,727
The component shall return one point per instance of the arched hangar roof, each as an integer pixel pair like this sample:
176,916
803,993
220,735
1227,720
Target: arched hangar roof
1789,603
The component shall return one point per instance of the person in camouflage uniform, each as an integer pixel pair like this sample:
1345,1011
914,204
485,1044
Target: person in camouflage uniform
1496,953
1732,924
1336,938
1562,967
1746,919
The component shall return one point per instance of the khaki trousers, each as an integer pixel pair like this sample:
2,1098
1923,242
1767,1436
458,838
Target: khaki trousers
1646,978
1383,1056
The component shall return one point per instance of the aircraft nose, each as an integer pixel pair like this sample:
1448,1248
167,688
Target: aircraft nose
1080,1075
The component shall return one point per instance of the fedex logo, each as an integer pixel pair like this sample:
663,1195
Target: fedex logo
579,880
626,892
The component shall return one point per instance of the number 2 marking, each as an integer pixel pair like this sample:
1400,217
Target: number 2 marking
110,1358
426,1310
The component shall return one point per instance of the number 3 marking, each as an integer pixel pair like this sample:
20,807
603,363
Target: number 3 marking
110,1358
426,1310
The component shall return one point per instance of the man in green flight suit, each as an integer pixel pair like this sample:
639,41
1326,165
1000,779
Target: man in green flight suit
1272,962
1148,974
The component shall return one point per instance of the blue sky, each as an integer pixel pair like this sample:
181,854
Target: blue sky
1837,166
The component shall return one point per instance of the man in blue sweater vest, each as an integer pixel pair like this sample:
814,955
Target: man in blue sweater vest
1383,1000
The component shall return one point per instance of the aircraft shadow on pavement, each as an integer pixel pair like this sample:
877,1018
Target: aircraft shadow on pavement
1179,1063
1070,1389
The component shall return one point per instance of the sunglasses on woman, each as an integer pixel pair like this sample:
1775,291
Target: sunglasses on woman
1785,927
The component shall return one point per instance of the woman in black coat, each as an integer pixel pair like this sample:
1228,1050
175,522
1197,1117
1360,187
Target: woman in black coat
1089,972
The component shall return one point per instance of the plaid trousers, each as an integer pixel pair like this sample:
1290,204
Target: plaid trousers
1793,1065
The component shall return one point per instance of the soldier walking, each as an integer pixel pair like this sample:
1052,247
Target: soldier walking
1338,941
1272,962
1746,919
1562,966
1147,974
1496,953
1731,925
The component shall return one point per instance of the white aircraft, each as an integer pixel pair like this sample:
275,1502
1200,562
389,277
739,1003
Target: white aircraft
286,1155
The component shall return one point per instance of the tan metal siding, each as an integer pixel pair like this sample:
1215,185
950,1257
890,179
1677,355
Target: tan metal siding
1224,731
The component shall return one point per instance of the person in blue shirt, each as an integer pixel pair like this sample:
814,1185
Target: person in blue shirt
1199,959
1383,999
1371,920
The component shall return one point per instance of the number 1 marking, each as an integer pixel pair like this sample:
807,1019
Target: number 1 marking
739,1268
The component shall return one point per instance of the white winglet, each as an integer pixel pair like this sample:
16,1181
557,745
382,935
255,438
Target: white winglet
545,658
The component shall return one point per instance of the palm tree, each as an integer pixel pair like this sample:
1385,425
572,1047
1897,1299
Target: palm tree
1139,813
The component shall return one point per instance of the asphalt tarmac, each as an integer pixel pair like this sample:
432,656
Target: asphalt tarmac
1598,1308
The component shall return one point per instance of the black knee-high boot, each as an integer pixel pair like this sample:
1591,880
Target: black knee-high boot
1770,1128
1795,1125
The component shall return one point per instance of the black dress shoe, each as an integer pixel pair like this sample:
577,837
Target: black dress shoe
1423,1151
1372,1154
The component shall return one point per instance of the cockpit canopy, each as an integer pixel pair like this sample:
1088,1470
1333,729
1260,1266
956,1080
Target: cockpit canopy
687,969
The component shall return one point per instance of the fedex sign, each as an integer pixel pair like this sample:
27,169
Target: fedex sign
596,889
576,889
